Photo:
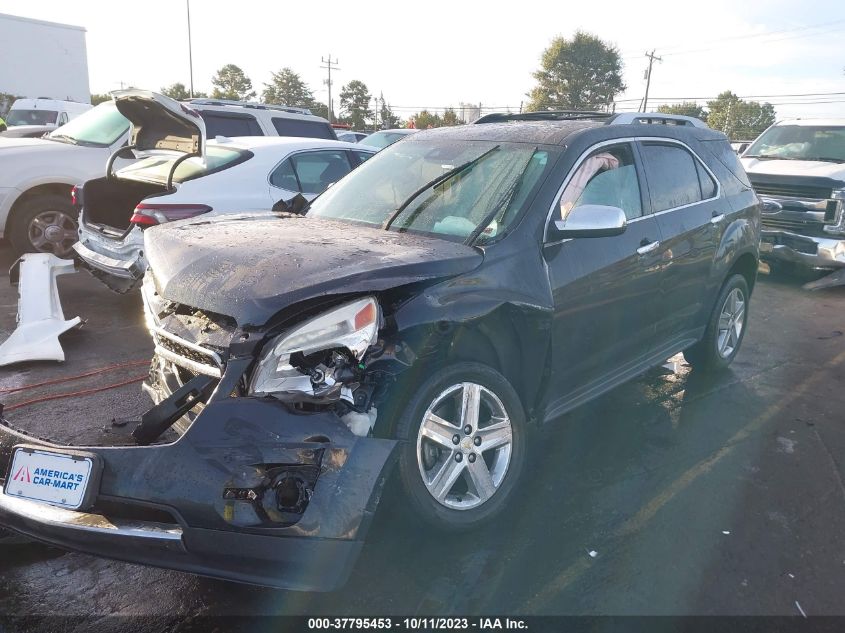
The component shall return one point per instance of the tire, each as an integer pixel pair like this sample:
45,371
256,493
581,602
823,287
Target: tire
46,223
714,352
463,505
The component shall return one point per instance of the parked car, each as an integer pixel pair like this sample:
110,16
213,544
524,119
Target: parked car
350,136
797,168
456,290
36,175
225,176
383,138
31,118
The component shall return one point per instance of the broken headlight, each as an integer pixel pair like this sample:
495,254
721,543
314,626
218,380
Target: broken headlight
351,327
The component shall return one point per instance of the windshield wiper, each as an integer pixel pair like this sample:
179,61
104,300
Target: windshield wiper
826,159
64,139
440,179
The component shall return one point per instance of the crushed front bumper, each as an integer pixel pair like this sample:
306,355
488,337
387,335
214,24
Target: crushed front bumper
205,503
816,252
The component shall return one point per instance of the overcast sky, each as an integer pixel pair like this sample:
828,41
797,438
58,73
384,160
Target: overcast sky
436,54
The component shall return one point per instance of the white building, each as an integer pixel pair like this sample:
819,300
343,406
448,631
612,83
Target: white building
43,59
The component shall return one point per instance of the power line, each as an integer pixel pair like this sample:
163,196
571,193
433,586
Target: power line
651,58
328,65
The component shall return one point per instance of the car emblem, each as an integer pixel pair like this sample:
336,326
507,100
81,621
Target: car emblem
771,206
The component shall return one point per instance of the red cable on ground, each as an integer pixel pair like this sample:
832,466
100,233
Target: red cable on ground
93,372
68,394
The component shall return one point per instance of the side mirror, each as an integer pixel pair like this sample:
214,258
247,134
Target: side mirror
298,204
591,220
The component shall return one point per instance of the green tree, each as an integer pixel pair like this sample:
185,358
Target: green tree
739,119
288,88
355,104
685,108
581,73
176,91
97,99
450,117
387,119
425,119
230,82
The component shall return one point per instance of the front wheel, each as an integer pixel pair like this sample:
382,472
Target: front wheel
45,223
465,446
725,330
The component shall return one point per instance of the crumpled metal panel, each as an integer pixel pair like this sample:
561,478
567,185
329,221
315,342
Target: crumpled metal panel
40,316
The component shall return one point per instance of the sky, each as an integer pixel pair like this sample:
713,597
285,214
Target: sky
436,54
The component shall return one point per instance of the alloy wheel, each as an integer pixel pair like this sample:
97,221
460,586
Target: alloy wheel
464,446
53,232
731,322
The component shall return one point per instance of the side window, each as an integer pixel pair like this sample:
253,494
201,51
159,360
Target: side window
284,177
672,176
708,185
607,177
317,170
218,124
362,156
62,118
303,128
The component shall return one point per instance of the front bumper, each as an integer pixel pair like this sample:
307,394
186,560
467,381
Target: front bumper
816,252
187,505
118,262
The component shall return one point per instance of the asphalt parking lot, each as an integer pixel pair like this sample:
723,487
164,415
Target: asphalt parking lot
674,494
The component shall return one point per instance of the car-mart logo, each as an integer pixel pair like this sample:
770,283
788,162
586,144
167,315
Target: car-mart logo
23,475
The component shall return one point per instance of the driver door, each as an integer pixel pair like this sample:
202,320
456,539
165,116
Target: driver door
605,289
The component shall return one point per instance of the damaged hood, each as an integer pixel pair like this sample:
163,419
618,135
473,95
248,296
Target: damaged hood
250,267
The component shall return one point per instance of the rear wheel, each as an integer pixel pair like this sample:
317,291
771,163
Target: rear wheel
725,329
45,223
465,446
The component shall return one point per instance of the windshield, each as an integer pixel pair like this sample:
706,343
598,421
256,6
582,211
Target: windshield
446,188
801,142
99,127
157,168
31,117
382,139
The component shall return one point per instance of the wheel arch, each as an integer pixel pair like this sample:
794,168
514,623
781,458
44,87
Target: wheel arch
48,188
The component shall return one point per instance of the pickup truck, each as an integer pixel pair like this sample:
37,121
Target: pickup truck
797,168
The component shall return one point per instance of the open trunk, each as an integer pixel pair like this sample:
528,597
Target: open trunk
108,204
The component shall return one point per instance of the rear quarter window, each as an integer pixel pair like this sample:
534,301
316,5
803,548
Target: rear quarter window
724,153
224,124
302,128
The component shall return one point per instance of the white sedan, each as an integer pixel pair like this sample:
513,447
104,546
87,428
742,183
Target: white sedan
241,174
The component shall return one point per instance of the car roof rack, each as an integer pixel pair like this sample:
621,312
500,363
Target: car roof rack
655,118
543,115
249,104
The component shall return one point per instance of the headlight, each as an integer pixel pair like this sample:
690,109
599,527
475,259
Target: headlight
838,226
352,326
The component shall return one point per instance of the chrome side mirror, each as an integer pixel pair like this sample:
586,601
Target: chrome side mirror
591,220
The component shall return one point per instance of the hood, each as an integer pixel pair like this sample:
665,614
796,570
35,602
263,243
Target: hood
774,167
11,146
27,130
250,267
161,123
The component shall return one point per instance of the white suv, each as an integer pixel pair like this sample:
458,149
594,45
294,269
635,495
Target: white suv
37,174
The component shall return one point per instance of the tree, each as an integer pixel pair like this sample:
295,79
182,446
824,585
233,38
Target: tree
97,99
321,109
425,119
288,88
387,118
176,91
685,108
230,82
582,73
739,119
450,117
355,104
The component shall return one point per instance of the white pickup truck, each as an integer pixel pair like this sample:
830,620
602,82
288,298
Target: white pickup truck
37,174
797,168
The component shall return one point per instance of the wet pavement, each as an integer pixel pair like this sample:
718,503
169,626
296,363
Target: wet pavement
673,494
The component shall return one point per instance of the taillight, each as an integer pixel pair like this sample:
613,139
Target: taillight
150,214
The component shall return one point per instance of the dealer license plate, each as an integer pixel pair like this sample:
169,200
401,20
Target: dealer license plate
60,480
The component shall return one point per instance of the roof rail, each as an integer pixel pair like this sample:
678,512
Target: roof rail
655,118
249,104
543,115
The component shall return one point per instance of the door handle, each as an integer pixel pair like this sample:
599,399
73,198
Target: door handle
717,217
647,247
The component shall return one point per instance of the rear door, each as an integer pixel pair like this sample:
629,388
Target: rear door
604,288
692,216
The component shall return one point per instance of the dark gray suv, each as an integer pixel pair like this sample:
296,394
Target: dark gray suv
460,287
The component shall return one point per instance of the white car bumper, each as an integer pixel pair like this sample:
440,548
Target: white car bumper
118,263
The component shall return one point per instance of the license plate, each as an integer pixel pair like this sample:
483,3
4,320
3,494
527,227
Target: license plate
46,477
766,247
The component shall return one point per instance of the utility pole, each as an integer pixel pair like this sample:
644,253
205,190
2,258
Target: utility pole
328,66
651,58
190,52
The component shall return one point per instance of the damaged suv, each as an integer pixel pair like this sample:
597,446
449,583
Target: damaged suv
456,290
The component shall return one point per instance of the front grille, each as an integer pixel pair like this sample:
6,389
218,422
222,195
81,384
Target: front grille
791,191
184,351
809,227
187,355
